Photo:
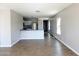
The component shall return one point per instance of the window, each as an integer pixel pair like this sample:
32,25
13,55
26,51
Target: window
59,26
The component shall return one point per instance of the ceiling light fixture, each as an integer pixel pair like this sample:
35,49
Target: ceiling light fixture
37,11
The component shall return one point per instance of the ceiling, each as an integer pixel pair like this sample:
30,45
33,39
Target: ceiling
36,9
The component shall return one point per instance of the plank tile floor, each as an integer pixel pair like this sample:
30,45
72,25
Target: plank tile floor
47,47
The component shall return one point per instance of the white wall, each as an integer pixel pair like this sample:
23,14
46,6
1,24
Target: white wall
10,25
53,26
69,27
5,34
16,26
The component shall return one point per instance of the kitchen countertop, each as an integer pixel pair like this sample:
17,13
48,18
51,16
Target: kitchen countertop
31,30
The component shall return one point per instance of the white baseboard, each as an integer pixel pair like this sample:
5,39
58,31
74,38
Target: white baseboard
5,45
67,46
9,45
15,42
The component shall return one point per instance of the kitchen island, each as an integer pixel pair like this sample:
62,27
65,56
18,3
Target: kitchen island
32,34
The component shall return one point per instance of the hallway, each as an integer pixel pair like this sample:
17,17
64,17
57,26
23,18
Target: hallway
47,47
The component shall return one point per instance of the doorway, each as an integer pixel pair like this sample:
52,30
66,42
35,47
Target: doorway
45,25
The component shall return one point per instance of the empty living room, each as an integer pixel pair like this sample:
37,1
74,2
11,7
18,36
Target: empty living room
39,29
